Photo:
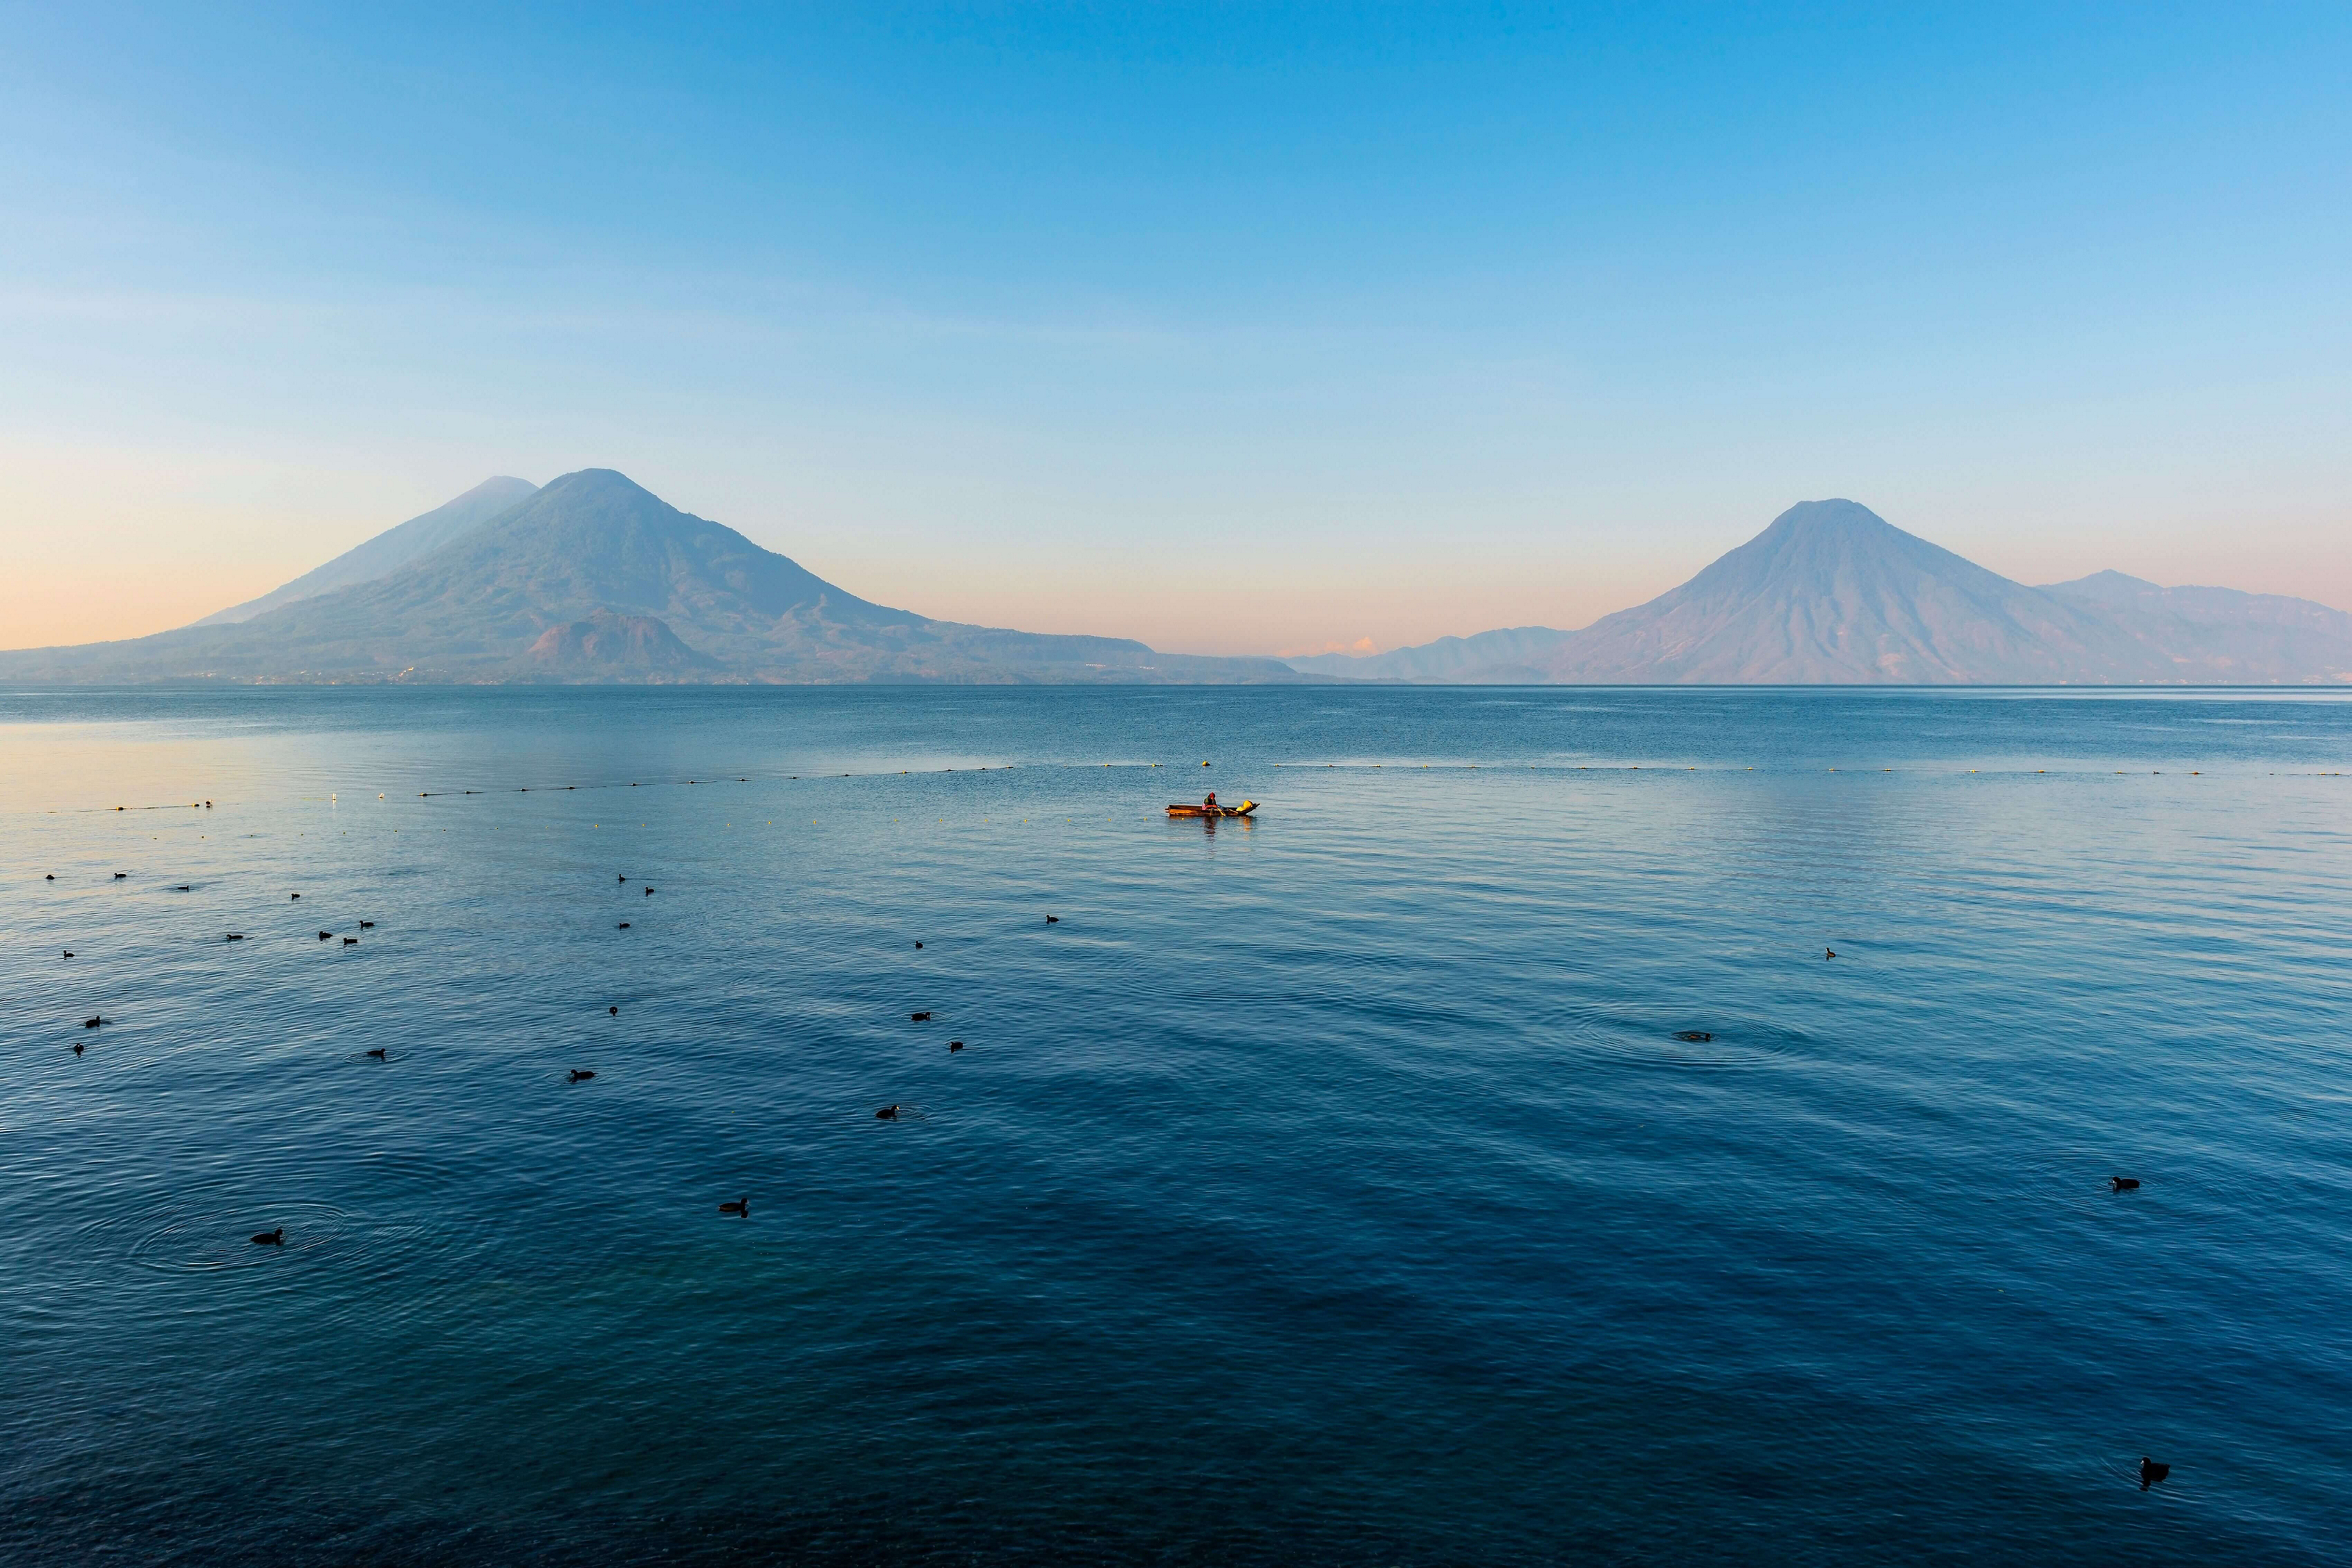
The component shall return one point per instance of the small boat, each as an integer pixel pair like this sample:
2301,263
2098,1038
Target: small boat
1244,810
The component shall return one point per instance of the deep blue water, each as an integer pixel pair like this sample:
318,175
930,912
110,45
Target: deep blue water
1329,1189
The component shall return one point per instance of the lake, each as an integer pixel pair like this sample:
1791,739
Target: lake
1336,1187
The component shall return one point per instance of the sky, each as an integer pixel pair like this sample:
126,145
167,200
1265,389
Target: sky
1235,328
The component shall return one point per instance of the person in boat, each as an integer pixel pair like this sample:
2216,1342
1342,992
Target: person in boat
1210,803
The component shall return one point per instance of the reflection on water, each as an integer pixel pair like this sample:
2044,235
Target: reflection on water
1337,1185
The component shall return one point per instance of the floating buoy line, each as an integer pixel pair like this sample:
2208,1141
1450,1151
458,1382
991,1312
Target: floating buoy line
677,783
1009,767
173,806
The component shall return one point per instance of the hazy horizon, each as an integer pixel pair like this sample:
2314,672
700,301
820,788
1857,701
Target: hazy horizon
1237,333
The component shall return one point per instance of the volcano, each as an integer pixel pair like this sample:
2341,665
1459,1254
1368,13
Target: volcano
1831,593
390,550
595,578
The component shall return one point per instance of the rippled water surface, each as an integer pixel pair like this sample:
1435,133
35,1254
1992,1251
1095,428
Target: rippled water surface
1332,1188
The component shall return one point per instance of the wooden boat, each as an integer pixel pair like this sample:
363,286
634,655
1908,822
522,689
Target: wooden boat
1244,810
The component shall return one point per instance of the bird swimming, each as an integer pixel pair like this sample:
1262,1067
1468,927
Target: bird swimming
741,1206
51,877
293,895
79,1048
367,925
2123,1184
2151,1472
270,1237
1053,920
580,1075
615,1011
624,926
326,936
954,1046
888,1113
918,1017
1829,952
185,887
120,874
1695,1036
92,1021
350,941
234,936
918,944
377,1053
67,951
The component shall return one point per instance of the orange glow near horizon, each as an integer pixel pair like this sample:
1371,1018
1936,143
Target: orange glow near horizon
101,544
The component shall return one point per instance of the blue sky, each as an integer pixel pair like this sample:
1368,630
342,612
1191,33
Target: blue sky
1236,328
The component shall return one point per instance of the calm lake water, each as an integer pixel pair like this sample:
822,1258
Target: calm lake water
1332,1188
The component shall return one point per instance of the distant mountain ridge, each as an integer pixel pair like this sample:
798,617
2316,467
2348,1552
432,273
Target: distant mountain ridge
2222,634
595,578
1831,593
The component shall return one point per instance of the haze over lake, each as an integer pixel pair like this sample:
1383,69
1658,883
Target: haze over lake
1336,1187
